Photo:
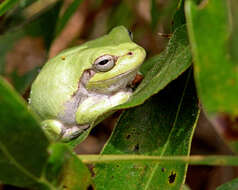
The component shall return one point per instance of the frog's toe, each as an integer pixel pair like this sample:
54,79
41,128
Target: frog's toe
73,132
53,128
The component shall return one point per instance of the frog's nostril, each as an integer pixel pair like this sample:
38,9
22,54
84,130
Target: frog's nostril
130,53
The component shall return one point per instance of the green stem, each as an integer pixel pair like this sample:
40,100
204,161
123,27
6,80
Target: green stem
192,160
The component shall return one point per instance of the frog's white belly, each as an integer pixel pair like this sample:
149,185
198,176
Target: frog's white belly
86,105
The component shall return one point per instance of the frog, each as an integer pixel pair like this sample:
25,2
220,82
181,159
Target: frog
81,84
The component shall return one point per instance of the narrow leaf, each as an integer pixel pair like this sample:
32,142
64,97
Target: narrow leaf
233,39
7,5
231,185
22,142
179,16
212,33
21,83
121,15
215,73
163,126
67,171
63,20
154,14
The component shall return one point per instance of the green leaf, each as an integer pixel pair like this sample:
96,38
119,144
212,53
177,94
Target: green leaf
179,16
23,144
23,150
163,126
173,62
45,23
154,14
66,170
42,26
6,43
121,15
7,5
63,20
29,11
161,12
233,39
231,185
215,73
21,83
147,66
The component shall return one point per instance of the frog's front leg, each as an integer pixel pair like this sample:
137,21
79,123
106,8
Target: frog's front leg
56,130
95,106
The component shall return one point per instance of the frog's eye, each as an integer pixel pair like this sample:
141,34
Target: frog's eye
104,63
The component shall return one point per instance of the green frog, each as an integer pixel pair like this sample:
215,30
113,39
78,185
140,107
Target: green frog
80,85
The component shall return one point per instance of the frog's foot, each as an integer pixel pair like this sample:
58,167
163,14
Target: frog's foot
73,132
56,130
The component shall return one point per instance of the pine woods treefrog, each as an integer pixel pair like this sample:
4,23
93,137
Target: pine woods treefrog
80,85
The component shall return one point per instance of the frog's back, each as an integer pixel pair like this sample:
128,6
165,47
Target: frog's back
56,83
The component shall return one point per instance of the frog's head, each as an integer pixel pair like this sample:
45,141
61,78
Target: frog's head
115,60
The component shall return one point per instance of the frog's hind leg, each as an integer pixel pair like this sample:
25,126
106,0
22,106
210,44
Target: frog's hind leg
52,128
56,130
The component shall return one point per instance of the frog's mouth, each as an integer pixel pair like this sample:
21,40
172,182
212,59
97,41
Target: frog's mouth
122,82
